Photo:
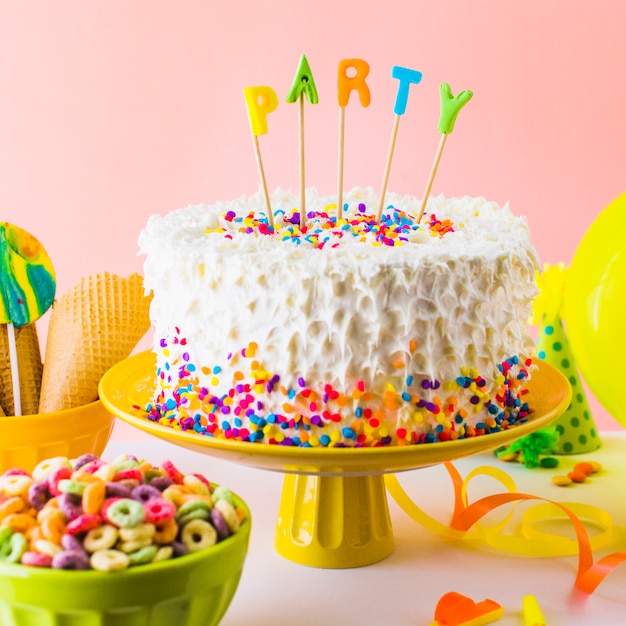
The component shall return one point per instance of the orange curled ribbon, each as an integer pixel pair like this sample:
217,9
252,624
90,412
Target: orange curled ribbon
531,542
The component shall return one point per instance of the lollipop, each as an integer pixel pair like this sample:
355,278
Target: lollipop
27,288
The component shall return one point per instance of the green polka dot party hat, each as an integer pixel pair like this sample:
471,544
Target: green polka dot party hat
576,428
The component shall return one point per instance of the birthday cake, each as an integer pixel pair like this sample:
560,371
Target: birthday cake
340,332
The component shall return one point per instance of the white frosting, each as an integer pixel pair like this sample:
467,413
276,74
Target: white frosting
341,314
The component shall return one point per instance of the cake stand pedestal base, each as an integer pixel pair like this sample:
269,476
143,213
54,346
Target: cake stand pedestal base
334,521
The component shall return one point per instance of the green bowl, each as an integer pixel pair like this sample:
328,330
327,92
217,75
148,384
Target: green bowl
192,590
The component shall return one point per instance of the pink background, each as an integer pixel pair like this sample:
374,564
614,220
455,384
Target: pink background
111,111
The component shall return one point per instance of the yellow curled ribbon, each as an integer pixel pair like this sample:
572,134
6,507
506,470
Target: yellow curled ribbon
530,541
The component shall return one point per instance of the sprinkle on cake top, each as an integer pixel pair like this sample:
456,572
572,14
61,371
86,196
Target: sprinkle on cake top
322,227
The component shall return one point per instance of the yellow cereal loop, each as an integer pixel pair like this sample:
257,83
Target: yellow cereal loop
198,534
109,560
102,538
15,485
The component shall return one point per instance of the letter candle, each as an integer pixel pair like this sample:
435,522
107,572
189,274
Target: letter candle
450,107
303,84
260,102
345,84
406,77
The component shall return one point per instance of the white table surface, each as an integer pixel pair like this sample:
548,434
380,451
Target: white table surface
405,588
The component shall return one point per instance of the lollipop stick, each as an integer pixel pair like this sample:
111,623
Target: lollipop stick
301,144
15,375
392,145
259,164
342,121
431,177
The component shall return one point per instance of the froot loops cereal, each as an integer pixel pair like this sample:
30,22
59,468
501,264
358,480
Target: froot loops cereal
86,513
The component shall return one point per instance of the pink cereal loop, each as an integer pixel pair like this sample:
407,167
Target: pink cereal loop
36,559
82,524
132,473
170,469
159,510
62,473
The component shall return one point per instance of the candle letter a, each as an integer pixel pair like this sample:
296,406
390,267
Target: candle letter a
303,82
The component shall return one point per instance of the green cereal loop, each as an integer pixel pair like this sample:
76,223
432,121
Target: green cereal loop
143,555
193,509
197,514
152,473
126,513
73,487
163,554
223,493
5,535
11,551
126,464
450,107
5,542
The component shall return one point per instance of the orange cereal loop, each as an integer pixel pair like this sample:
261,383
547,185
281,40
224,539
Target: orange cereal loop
84,477
34,534
10,506
51,508
165,532
186,497
174,493
93,497
52,529
18,522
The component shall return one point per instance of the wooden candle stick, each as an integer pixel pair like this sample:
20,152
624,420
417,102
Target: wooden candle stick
406,77
345,84
450,107
261,101
303,84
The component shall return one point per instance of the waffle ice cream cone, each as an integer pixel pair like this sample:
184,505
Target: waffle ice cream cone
92,327
29,368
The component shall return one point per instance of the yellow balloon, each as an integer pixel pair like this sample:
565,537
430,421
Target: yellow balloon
594,307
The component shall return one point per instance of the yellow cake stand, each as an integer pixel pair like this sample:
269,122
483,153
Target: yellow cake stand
333,511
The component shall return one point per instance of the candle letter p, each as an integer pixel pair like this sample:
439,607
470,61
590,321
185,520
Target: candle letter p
260,101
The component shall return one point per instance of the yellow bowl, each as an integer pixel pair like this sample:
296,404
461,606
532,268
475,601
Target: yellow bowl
192,590
28,439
